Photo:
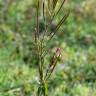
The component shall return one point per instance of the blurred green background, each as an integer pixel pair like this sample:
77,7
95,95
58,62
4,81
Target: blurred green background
75,75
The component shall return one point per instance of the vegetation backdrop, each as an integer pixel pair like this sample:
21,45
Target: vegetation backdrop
75,74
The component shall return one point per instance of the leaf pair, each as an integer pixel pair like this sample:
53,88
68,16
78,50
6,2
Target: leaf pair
52,4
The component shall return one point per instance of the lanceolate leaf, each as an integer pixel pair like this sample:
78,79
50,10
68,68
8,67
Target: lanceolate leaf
62,21
59,9
59,25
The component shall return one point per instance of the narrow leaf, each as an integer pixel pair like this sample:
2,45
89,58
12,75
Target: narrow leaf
55,14
59,25
62,21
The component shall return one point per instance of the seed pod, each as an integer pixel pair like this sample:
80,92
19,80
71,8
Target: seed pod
53,62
